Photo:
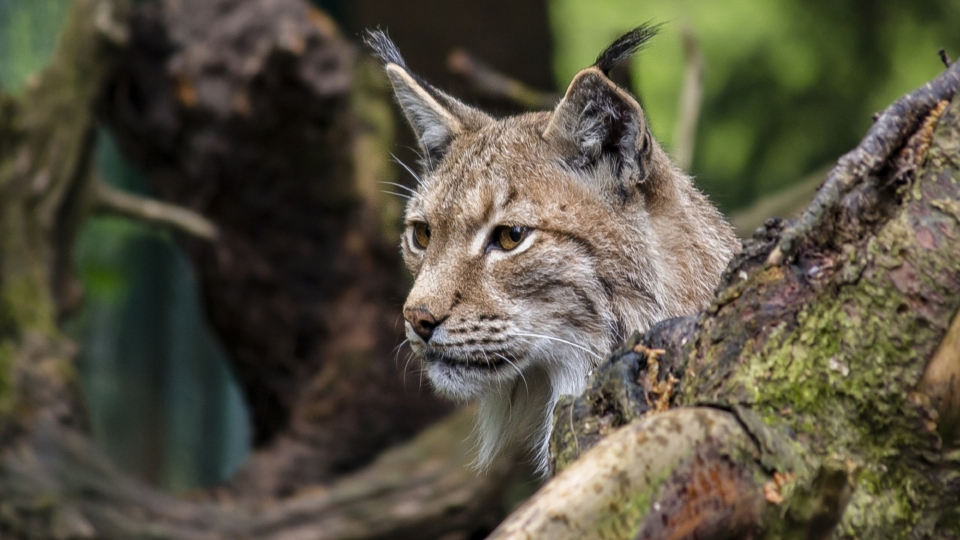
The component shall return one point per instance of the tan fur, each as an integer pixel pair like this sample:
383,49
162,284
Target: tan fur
612,247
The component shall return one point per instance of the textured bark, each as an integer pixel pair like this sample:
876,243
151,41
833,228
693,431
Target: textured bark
261,117
613,490
45,145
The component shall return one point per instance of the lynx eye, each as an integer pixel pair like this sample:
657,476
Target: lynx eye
509,237
421,234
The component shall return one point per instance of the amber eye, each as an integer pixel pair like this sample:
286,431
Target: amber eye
421,234
509,237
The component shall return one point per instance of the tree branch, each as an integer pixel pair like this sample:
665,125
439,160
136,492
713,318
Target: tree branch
54,483
420,489
109,200
691,98
803,380
487,81
887,134
595,497
944,57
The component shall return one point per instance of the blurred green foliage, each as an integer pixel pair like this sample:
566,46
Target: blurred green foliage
789,86
28,34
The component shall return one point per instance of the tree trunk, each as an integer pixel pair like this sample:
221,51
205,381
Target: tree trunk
815,397
303,282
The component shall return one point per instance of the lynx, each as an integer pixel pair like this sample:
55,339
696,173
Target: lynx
538,241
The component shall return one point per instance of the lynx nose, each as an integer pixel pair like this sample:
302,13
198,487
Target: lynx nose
422,321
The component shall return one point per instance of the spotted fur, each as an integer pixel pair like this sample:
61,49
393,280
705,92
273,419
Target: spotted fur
618,239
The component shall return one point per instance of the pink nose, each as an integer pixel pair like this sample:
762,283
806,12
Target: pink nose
422,321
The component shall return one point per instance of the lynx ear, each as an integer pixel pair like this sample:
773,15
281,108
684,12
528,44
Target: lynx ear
436,118
598,123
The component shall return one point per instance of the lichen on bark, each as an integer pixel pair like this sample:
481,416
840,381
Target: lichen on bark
842,373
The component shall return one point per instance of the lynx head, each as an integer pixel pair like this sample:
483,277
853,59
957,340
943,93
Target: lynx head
537,241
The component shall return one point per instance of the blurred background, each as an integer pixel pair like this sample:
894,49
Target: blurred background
786,87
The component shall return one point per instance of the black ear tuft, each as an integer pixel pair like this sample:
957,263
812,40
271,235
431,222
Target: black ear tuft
383,48
435,117
626,46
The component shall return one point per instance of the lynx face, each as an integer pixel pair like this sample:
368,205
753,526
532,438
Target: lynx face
504,252
538,241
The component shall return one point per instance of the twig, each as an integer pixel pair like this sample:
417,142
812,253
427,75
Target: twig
691,98
109,200
887,134
490,82
785,203
944,58
110,20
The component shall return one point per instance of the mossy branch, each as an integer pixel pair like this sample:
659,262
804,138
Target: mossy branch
888,133
54,482
612,491
813,390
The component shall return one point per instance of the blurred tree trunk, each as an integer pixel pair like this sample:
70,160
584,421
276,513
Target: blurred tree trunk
303,282
258,115
807,395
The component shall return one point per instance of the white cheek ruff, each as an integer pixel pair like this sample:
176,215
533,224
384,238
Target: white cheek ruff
460,384
522,412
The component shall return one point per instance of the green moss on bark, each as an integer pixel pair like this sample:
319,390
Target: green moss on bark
842,374
46,138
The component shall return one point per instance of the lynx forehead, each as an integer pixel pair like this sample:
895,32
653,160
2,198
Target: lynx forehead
538,241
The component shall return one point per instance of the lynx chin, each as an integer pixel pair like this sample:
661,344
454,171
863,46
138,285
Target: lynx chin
538,241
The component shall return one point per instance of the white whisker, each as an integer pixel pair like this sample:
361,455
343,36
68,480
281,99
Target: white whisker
416,152
401,186
396,350
396,355
559,340
401,195
406,366
396,359
516,367
409,170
